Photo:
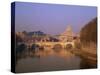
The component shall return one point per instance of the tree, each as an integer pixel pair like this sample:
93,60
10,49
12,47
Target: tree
89,32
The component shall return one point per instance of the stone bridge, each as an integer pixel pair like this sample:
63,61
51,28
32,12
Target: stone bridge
52,44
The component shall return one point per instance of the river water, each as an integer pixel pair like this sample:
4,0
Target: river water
47,60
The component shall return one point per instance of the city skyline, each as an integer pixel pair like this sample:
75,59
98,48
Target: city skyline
52,18
53,37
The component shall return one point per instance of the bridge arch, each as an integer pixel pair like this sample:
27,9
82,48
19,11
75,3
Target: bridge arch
69,45
34,46
21,47
57,46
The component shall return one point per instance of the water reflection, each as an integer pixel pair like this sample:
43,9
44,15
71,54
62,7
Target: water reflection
46,60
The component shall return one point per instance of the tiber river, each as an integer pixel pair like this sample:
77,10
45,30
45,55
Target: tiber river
47,60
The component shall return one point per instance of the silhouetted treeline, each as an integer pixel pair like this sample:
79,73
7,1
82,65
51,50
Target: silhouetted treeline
89,32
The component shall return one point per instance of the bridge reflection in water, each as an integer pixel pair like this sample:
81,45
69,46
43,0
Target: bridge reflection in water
47,60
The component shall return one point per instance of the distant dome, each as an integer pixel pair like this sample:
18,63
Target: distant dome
68,31
67,34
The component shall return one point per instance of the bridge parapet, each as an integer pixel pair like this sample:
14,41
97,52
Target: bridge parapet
51,44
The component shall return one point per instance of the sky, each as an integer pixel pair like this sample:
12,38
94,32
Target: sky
52,18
